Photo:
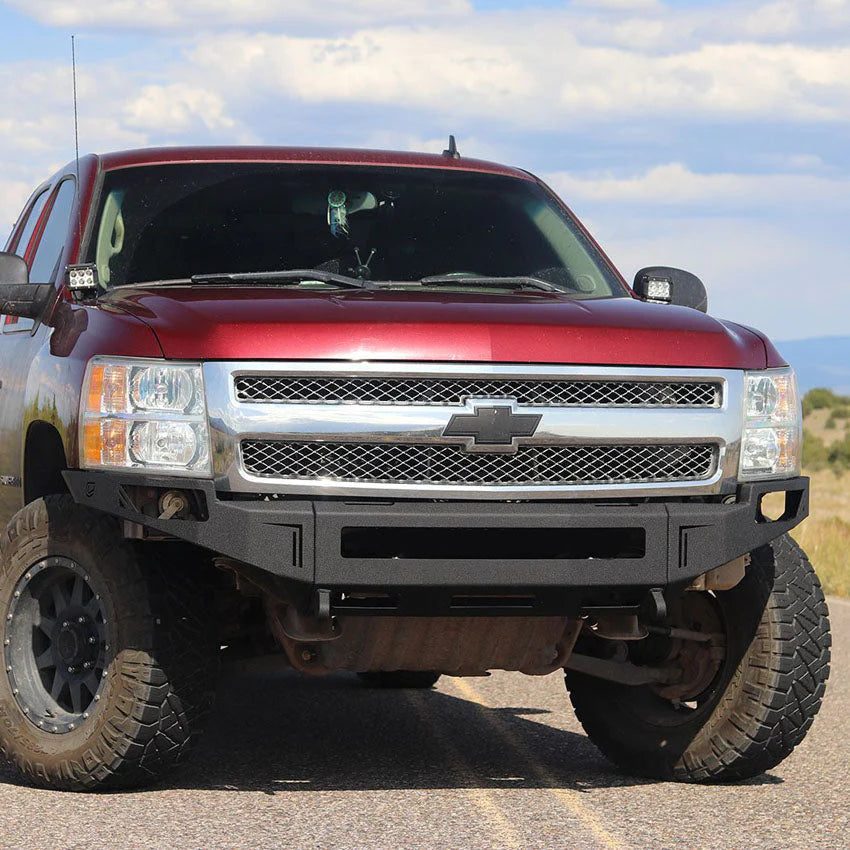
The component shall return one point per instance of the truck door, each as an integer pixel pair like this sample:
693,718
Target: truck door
40,240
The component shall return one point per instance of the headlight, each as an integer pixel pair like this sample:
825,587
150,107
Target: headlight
145,414
772,425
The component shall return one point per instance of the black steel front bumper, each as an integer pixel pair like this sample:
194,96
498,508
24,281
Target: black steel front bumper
556,554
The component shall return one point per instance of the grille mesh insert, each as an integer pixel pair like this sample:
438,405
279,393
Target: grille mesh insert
454,391
449,464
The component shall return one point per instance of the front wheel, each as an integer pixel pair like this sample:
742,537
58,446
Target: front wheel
109,660
751,703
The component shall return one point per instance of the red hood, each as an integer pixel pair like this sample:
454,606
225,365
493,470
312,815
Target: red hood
217,323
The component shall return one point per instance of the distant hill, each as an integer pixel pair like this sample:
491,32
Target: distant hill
820,362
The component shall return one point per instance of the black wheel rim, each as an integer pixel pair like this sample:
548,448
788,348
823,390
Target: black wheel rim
56,645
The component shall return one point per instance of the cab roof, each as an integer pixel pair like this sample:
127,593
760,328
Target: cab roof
321,156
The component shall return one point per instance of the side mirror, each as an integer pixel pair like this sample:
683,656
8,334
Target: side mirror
19,297
663,285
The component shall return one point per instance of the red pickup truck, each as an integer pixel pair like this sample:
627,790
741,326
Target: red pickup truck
393,414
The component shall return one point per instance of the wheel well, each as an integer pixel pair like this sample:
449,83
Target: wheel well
44,462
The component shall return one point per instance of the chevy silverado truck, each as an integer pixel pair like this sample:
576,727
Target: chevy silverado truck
393,414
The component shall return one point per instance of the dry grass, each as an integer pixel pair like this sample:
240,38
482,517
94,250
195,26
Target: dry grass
816,423
825,535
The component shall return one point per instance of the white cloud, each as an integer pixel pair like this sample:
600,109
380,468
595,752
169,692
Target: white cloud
13,195
787,281
619,5
675,185
221,14
177,108
518,71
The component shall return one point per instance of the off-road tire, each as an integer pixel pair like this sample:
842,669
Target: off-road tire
410,679
764,698
159,674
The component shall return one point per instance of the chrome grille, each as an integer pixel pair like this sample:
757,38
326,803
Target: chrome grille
450,464
455,391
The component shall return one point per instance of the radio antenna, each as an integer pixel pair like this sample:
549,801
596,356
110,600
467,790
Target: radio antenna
76,141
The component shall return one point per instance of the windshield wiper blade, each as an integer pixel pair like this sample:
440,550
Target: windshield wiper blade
518,282
293,276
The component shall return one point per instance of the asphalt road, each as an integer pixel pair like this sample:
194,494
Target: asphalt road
475,763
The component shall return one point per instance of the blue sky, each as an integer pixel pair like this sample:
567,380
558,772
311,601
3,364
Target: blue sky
706,134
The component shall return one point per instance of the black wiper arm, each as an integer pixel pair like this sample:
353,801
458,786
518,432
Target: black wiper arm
519,282
294,276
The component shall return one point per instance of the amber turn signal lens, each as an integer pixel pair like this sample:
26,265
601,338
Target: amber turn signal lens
107,389
95,395
105,442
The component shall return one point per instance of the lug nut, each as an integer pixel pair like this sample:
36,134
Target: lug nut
81,619
87,665
72,669
65,624
92,640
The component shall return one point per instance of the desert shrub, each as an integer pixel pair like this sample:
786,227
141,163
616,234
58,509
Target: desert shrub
838,455
815,451
820,398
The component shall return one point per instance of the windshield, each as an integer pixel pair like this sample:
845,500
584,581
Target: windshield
175,222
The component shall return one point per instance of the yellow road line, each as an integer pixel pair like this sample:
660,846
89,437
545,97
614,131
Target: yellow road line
503,827
569,798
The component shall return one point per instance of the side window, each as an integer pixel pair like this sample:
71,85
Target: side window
20,247
45,263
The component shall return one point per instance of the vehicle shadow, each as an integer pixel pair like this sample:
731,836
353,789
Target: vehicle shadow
275,731
278,732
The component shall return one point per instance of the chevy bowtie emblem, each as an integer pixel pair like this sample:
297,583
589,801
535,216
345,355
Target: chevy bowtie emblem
492,427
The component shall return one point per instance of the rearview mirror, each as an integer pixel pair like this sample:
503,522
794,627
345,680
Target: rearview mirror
19,297
664,285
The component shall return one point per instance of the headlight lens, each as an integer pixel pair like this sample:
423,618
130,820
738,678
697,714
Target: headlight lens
144,414
772,438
